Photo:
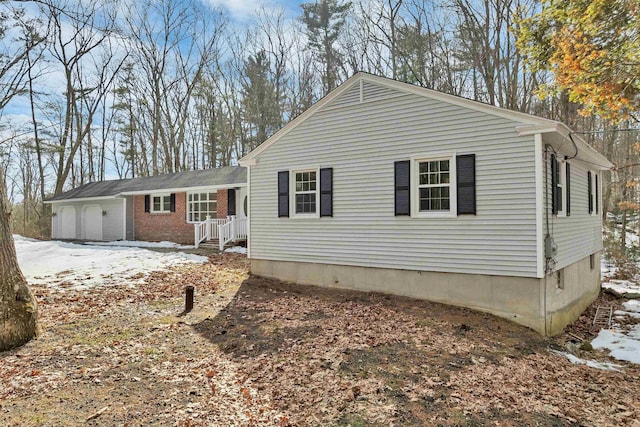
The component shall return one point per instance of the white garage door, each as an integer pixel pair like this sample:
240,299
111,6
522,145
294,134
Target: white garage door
67,222
92,222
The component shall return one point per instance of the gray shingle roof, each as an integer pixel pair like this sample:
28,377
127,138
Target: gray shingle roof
228,175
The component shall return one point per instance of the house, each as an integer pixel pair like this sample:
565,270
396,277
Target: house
183,207
385,186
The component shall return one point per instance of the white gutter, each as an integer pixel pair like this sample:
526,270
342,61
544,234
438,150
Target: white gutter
143,192
182,189
83,199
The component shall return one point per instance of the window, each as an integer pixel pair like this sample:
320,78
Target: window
199,205
561,177
560,182
435,190
592,261
161,203
305,193
593,192
597,193
560,279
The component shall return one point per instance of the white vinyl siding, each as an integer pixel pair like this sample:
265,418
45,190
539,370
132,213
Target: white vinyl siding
579,234
130,218
361,142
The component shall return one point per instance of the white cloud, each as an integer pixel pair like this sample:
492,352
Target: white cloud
241,10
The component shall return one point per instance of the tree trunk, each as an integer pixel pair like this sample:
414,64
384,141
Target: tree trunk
18,307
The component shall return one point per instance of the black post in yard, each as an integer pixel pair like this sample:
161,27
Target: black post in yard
188,299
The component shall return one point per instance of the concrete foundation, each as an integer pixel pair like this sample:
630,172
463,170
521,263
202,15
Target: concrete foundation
544,305
570,291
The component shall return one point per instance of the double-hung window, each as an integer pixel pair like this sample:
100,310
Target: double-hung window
434,191
201,205
593,192
560,179
161,203
305,192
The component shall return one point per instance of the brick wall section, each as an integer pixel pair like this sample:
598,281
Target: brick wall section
155,227
222,203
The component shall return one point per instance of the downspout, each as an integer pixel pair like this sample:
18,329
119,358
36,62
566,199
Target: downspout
248,211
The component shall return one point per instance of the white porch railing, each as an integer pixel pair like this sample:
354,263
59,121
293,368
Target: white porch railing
235,229
207,229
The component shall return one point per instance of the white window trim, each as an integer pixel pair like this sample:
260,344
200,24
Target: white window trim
188,204
453,186
162,195
562,185
292,192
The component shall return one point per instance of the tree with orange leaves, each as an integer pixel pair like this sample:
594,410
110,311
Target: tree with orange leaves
592,47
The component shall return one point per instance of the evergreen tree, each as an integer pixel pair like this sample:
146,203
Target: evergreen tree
261,106
324,21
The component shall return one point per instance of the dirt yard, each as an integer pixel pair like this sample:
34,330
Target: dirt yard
259,352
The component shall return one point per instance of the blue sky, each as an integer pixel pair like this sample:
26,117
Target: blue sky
241,10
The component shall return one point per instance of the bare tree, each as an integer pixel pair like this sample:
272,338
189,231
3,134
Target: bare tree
89,62
18,307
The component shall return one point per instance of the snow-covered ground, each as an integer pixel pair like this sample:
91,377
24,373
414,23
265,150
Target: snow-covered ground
236,250
142,244
592,363
623,345
69,265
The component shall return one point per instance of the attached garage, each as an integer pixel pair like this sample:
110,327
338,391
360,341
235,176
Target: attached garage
95,219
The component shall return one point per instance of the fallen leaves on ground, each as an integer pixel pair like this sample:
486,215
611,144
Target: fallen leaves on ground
259,352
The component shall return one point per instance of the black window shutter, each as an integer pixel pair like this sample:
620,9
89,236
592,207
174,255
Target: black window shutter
466,181
231,201
147,203
283,194
326,192
402,181
590,191
567,183
554,185
172,202
597,191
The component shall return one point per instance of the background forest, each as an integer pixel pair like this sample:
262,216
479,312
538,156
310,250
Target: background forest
111,89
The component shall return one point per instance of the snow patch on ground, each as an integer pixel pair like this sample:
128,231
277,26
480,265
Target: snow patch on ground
591,363
142,244
621,346
69,265
621,314
622,286
632,305
236,250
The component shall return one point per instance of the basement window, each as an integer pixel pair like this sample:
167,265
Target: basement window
592,261
560,279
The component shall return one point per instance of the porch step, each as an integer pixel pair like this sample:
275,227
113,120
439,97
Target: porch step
215,244
209,244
